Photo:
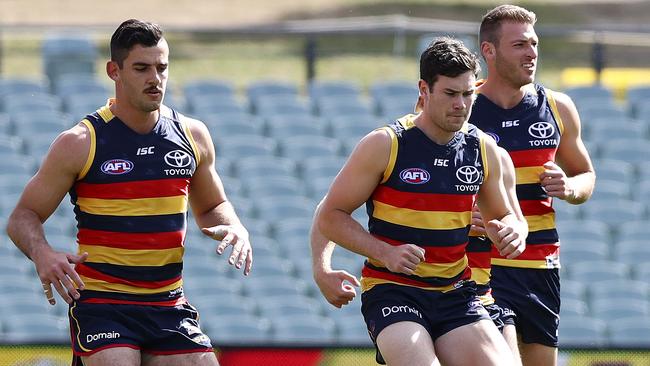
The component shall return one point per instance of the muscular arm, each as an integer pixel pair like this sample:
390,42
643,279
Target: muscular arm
573,178
352,187
42,195
214,214
329,281
503,226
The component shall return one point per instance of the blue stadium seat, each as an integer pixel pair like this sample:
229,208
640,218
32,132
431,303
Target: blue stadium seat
229,330
303,330
632,251
570,289
209,104
579,250
41,123
201,288
634,230
280,105
631,332
622,291
301,148
633,151
264,88
264,166
591,230
10,145
15,163
277,306
78,106
80,84
609,189
395,106
321,167
345,127
625,129
16,105
318,187
612,309
573,308
297,227
226,304
208,87
271,284
244,146
68,54
21,85
395,88
594,271
36,328
327,88
582,332
614,212
286,187
283,126
613,169
565,211
342,106
589,91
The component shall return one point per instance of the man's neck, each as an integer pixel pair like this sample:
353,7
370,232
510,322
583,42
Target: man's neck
138,121
503,94
433,132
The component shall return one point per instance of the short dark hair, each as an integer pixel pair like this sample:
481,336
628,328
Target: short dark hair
491,23
130,33
447,57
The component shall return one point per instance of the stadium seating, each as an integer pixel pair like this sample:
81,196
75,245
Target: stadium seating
582,332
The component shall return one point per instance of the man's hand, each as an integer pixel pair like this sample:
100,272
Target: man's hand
506,239
478,227
332,285
57,269
555,182
403,258
236,236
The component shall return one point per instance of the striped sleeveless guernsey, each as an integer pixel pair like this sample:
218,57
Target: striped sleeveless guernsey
479,250
130,202
531,133
425,198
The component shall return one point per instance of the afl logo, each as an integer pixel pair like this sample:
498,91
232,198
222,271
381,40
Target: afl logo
117,166
468,174
541,130
414,176
178,159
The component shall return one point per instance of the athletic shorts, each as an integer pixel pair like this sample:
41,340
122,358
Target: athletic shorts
436,311
157,330
534,296
500,317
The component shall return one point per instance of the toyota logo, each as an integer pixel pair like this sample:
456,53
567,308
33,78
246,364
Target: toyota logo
541,130
468,174
178,159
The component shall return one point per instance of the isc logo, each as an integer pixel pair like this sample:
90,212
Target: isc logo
117,166
440,162
414,176
512,123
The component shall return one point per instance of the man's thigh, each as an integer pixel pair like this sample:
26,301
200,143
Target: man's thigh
406,343
186,359
478,343
117,356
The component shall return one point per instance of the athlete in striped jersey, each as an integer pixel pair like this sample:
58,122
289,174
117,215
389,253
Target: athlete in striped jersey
132,168
420,178
540,129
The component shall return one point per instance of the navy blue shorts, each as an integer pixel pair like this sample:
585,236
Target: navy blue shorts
158,330
534,296
500,316
436,311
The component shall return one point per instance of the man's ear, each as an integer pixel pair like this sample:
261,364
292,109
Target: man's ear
112,70
488,50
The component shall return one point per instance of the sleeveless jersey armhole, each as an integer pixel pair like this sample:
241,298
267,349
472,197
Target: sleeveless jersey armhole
91,153
393,154
484,159
195,148
554,110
